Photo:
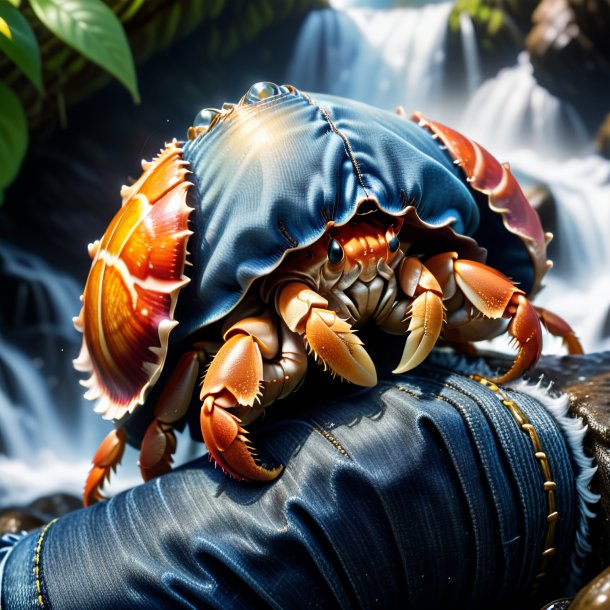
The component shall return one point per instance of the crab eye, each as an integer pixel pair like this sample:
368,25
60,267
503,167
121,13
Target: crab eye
205,117
392,240
261,91
335,252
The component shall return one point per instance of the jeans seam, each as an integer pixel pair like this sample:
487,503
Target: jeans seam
549,485
332,440
40,589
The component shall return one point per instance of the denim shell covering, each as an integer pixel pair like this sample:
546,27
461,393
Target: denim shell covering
273,176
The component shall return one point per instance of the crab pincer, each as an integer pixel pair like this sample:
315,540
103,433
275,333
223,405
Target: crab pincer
235,381
492,295
425,315
330,339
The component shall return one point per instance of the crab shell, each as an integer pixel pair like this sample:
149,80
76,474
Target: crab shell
268,178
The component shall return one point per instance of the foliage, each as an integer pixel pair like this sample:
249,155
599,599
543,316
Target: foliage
87,26
500,28
54,53
13,137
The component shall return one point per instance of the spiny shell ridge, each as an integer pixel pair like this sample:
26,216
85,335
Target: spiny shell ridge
132,289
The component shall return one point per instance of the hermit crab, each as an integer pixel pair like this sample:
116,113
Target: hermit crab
283,223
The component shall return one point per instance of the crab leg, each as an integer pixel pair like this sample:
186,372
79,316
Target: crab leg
105,460
233,381
560,328
495,296
159,442
426,313
331,339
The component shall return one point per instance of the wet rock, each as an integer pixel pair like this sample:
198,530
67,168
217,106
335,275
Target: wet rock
602,140
16,520
39,512
570,51
595,595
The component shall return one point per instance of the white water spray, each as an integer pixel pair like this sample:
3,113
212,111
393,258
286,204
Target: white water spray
396,57
512,111
382,57
48,431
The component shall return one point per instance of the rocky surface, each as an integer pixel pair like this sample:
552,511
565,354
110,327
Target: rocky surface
24,518
602,140
586,379
595,595
569,48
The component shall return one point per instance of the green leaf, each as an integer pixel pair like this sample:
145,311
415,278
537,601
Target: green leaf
91,28
13,135
18,42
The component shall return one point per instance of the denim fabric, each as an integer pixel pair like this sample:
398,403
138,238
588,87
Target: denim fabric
419,493
271,177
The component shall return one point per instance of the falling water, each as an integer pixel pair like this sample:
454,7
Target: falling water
472,61
512,111
579,284
43,423
396,57
48,432
385,58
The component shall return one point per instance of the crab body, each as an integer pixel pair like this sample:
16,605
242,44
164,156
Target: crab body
305,217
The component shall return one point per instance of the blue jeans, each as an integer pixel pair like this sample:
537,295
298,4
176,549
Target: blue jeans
422,492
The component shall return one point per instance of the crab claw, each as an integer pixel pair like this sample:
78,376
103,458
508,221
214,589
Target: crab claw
426,313
425,326
336,346
228,445
233,380
560,328
495,296
331,339
525,328
106,459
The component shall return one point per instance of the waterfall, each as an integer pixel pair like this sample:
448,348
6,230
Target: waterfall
43,419
395,57
48,431
382,57
512,111
578,286
472,61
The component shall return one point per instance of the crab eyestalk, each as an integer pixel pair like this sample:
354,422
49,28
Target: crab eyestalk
234,382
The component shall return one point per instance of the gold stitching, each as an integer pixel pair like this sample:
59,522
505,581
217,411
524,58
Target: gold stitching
333,441
549,486
37,562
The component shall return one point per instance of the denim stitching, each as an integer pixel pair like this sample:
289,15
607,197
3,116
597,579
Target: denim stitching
333,441
37,564
549,485
346,143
